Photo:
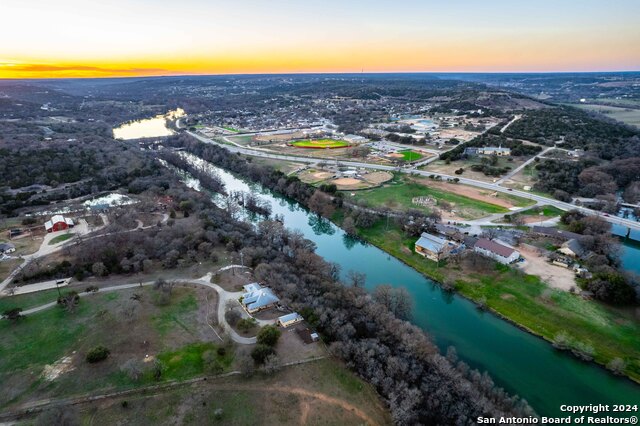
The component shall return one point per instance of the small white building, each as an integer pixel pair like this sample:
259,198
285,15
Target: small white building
289,319
496,251
492,150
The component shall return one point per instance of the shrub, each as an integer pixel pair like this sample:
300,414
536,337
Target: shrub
269,335
97,354
261,352
246,324
133,369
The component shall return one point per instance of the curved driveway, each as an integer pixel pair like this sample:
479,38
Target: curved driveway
223,298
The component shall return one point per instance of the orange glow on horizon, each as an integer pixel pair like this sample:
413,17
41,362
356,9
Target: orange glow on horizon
72,38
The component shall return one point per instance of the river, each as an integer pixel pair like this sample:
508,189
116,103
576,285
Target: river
518,361
148,128
630,250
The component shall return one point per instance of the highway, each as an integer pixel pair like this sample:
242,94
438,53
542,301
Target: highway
471,182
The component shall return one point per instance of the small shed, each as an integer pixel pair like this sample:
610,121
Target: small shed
307,335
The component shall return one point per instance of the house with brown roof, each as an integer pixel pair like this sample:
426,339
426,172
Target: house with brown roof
502,253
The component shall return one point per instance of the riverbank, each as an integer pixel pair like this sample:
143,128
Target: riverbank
588,328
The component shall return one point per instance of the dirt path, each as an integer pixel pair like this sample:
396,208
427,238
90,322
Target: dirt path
305,408
322,397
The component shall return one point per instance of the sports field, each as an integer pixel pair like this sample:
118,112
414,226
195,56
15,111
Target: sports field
409,155
320,143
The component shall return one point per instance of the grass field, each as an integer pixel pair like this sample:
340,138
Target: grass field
547,211
176,338
60,238
409,155
398,194
527,301
301,394
169,332
320,143
29,300
626,115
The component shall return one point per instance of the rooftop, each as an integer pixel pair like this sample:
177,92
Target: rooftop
494,247
431,242
259,298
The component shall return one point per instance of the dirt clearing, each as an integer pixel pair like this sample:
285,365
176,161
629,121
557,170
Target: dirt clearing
554,276
470,192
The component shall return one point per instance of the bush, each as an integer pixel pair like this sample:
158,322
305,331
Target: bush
246,324
269,335
261,352
211,363
133,369
29,221
97,354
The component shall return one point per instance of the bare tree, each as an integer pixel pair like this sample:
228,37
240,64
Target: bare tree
356,279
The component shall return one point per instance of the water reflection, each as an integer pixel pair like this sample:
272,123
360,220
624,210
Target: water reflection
320,225
148,128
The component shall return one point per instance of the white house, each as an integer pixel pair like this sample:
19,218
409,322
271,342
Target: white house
496,251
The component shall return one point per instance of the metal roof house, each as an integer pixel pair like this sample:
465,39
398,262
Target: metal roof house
487,150
496,251
258,298
251,287
58,223
572,248
6,248
433,247
289,319
492,150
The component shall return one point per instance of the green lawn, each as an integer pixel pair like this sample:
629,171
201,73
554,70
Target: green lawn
398,194
409,155
231,129
320,143
60,238
525,300
189,361
29,300
547,211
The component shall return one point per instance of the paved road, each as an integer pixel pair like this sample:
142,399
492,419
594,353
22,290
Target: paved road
471,182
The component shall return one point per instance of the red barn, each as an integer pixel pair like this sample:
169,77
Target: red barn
58,223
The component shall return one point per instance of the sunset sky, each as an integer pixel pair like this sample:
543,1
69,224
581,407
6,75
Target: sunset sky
73,38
